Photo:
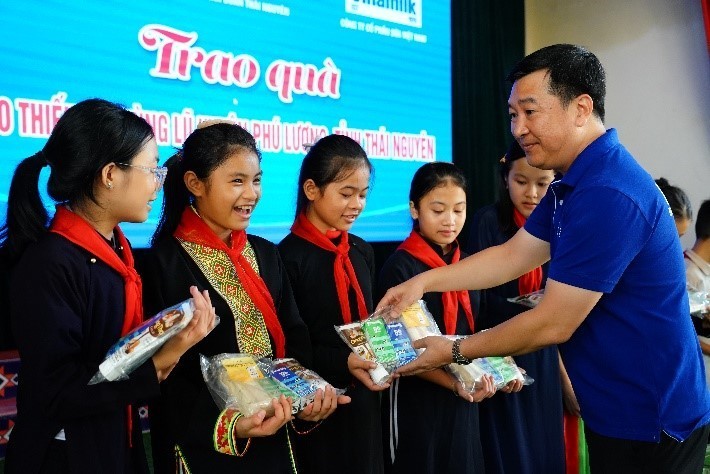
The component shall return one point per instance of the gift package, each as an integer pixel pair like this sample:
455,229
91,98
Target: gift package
419,323
699,303
530,299
382,340
140,344
249,384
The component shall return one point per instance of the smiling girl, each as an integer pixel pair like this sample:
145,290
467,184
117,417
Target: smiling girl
75,292
528,423
212,189
332,273
432,423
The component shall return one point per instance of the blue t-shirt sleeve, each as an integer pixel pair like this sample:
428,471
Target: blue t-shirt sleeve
599,232
540,221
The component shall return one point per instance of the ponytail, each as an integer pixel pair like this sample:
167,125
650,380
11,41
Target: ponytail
175,198
27,217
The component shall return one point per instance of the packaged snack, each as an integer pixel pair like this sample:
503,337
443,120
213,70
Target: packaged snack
419,322
376,333
468,375
530,300
140,344
296,378
502,369
401,343
699,303
354,337
240,381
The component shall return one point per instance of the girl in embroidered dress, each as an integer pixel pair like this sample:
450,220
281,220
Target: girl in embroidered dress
212,188
75,293
332,273
528,423
431,421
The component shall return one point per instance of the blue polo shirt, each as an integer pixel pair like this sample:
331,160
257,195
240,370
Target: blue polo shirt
635,362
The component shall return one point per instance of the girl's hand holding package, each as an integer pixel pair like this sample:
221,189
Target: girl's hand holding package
486,390
259,425
359,367
323,405
203,321
513,386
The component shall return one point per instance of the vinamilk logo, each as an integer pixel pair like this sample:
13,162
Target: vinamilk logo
403,12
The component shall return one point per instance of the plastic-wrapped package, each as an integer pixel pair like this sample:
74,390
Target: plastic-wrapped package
353,335
419,322
140,344
401,342
699,303
241,381
377,336
530,300
300,380
468,375
249,384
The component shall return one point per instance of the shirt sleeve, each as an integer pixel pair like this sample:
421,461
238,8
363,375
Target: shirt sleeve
540,221
598,233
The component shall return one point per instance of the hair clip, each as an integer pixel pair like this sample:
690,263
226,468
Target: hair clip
502,160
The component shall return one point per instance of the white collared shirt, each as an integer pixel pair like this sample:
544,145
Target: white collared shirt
697,272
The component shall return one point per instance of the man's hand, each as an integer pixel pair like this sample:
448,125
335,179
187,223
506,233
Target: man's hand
403,295
437,354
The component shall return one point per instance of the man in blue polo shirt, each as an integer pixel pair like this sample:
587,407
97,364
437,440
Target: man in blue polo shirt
615,299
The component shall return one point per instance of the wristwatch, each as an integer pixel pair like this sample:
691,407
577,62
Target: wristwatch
456,354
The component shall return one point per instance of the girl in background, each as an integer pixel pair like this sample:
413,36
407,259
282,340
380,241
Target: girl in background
679,203
520,432
332,274
430,422
212,188
75,293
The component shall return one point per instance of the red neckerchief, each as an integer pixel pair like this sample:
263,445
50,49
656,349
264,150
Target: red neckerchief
343,270
193,229
75,229
532,280
417,247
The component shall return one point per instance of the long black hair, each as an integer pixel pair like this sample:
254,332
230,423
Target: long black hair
203,151
702,223
330,159
504,205
87,137
431,176
677,199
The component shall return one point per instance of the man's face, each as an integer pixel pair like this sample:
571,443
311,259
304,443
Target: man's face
544,128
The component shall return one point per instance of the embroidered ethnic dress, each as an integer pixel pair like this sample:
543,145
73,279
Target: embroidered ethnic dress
187,427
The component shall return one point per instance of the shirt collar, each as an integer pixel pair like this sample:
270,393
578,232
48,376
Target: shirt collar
590,158
699,262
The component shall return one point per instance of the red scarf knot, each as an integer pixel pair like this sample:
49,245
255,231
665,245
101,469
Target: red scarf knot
417,247
343,270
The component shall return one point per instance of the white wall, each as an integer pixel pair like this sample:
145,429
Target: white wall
658,78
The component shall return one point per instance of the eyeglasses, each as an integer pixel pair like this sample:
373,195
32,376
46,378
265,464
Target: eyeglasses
159,172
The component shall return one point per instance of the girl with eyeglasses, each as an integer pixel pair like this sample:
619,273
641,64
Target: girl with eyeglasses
75,292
